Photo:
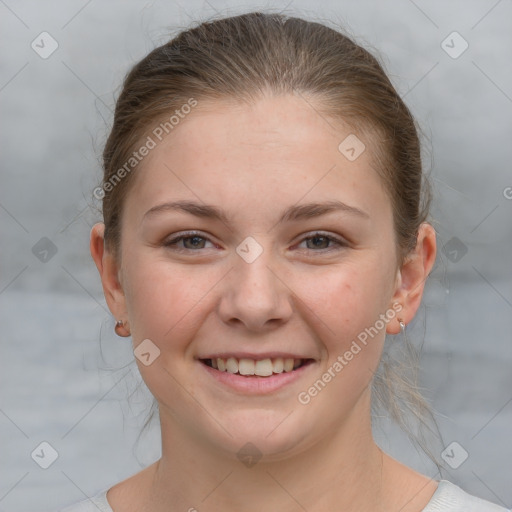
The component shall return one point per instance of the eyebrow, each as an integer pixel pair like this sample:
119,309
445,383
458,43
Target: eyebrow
292,213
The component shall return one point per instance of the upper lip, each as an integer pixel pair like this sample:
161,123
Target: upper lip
247,355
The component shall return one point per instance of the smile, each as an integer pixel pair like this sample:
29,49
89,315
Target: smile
255,367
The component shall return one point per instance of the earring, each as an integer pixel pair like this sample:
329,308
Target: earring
121,330
402,327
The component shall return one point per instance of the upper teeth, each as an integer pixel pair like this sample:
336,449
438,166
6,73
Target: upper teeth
262,367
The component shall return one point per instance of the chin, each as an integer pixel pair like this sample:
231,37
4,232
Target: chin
264,435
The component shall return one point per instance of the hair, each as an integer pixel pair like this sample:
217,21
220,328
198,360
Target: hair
243,57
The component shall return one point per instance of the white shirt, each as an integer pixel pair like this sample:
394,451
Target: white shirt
448,497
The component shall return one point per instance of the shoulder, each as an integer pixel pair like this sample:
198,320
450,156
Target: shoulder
451,498
97,503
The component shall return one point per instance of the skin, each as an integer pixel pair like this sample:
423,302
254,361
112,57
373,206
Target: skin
253,161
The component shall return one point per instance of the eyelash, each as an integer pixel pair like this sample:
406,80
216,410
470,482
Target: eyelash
174,241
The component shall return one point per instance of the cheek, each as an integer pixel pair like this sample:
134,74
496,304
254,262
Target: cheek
349,303
161,297
347,298
165,307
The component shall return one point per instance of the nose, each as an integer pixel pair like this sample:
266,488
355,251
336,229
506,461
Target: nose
255,294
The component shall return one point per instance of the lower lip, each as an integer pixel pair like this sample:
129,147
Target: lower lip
254,384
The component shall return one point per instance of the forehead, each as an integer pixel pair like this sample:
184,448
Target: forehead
256,156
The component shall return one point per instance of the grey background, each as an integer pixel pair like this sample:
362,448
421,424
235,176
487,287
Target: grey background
68,380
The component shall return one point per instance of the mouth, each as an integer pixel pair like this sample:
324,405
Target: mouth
256,368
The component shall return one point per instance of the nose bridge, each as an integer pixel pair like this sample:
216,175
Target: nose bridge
253,269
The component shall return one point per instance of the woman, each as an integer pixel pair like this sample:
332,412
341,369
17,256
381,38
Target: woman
264,228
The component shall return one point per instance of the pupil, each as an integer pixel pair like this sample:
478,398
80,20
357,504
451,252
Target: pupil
321,238
194,240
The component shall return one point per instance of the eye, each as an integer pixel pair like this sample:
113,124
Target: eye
191,241
322,240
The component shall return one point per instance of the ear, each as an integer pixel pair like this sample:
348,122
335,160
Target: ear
412,276
109,270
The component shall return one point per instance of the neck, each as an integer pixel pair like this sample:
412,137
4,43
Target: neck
341,471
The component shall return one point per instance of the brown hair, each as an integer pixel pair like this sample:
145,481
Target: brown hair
245,56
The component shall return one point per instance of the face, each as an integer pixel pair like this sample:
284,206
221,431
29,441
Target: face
269,278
